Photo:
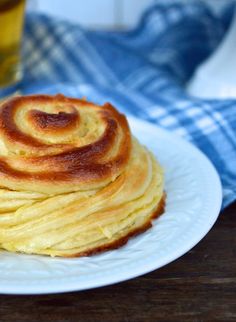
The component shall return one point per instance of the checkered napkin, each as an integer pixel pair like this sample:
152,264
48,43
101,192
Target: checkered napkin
143,72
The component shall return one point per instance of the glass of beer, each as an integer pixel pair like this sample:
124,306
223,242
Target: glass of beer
11,25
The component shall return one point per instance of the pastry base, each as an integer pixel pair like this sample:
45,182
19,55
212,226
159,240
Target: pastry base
124,239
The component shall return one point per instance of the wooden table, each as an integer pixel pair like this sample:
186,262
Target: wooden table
200,286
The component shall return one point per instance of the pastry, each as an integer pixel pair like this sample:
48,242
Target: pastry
73,180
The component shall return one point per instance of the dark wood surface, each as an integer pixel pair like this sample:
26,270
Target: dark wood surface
200,286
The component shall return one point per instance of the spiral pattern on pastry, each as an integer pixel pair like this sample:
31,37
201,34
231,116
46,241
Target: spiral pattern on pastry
73,179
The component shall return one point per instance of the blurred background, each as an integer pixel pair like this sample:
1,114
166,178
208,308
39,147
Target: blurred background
103,13
201,42
215,78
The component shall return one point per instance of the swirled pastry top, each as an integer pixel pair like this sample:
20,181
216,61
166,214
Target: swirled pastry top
55,144
73,181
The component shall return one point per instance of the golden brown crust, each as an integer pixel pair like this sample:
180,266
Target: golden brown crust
73,180
123,240
54,122
66,163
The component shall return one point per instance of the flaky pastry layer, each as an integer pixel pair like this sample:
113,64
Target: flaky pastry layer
73,179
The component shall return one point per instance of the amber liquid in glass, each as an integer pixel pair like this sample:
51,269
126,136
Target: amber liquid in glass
11,24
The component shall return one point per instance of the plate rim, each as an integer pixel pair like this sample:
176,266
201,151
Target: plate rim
71,286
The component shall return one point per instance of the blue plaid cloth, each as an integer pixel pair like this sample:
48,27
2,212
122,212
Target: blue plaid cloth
143,72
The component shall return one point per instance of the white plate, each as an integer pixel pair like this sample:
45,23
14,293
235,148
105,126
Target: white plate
193,203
